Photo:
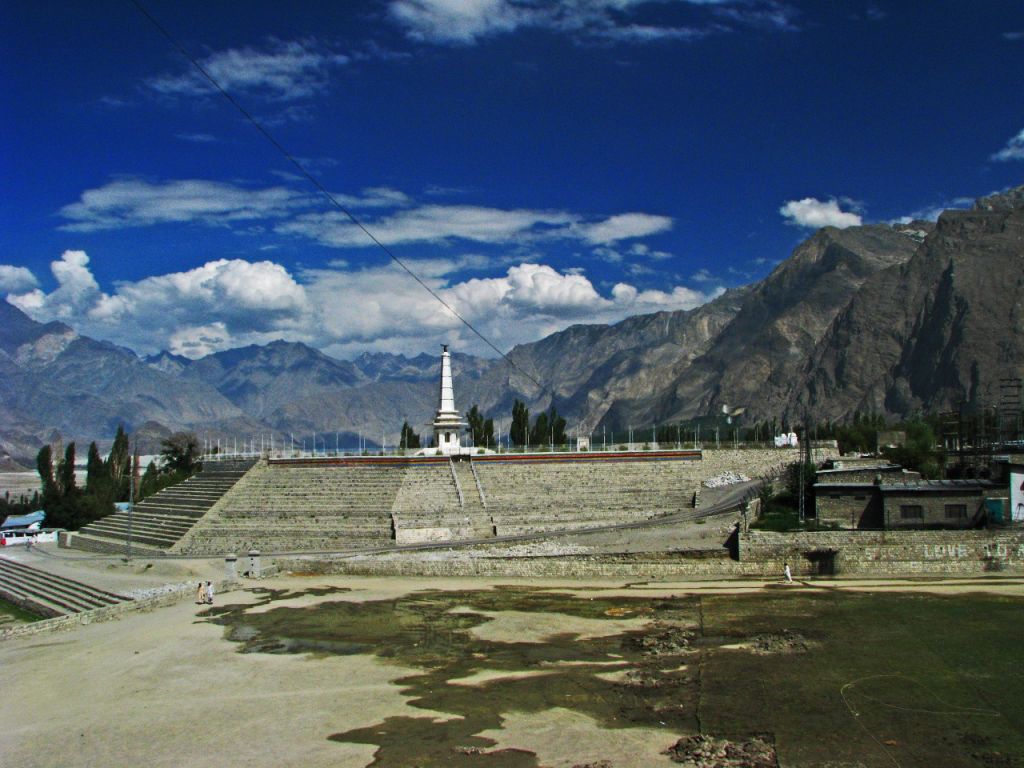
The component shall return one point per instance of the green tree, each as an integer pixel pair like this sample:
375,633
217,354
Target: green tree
44,465
519,432
98,483
117,462
557,425
180,453
540,434
149,484
480,429
66,472
549,428
409,439
919,451
66,506
95,470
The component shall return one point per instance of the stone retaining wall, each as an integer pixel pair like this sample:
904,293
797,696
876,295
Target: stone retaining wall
762,554
643,566
884,553
110,612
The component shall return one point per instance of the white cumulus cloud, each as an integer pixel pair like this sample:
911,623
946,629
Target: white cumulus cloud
16,279
814,213
75,293
200,340
230,303
1014,149
244,301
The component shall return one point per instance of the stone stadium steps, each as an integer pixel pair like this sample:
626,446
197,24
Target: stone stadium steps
49,595
289,507
159,521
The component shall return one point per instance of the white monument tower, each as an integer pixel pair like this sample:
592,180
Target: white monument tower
447,422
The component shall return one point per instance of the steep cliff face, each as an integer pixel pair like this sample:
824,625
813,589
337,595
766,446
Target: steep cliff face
752,357
941,329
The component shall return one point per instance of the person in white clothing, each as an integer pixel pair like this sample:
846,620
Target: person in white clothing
788,573
209,593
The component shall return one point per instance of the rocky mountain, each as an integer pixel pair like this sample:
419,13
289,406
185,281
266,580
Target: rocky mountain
891,319
742,350
57,382
941,329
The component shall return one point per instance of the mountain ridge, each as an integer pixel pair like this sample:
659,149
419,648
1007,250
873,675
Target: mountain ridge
893,319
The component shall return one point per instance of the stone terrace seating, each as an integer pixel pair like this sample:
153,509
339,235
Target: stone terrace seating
287,508
427,506
48,594
356,504
159,521
529,498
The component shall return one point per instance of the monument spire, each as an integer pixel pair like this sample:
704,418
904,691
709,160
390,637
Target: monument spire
447,423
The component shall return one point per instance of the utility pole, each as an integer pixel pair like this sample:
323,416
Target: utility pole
131,499
804,446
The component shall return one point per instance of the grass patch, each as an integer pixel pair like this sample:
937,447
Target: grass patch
12,615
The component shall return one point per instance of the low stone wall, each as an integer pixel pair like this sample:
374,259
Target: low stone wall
641,566
883,553
110,612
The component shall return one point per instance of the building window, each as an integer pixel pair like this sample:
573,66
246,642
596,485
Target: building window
956,511
911,512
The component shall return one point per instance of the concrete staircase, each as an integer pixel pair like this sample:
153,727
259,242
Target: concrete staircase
159,521
48,595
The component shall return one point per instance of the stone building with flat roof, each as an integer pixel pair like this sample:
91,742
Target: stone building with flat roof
913,503
937,503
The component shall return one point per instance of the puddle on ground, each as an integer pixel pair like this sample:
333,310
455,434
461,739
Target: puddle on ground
803,669
478,675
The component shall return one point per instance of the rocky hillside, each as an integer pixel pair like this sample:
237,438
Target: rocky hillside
893,319
942,328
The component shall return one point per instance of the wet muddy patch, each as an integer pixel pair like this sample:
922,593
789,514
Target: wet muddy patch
504,676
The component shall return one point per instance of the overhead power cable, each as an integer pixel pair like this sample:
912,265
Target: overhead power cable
319,185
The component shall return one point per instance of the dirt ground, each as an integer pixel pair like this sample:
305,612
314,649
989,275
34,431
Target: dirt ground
171,687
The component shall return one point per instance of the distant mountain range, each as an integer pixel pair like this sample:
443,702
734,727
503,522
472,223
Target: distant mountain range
888,319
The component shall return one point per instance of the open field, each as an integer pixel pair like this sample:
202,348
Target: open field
393,672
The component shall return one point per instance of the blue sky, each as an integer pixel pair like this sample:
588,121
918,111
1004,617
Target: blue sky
538,164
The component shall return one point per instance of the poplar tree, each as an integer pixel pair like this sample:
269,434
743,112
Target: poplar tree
481,429
44,465
66,473
409,439
519,432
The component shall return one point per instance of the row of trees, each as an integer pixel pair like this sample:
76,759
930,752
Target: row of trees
108,481
919,451
548,428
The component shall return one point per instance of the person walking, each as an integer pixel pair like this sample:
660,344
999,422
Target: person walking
788,574
209,593
200,594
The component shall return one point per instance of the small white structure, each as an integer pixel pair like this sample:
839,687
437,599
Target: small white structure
1017,494
447,423
787,440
